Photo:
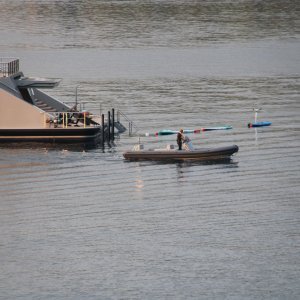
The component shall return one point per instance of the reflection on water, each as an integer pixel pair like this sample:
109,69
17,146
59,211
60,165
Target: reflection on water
139,184
74,147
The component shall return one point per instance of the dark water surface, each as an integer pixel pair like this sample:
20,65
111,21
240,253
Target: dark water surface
84,224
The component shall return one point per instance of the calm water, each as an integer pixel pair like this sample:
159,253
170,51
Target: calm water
85,224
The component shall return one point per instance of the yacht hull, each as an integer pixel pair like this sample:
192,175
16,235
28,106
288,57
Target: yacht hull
53,135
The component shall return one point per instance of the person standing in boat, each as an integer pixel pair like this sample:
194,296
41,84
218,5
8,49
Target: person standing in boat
187,143
180,138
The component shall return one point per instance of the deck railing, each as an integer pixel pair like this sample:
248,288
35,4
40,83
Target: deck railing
8,66
68,119
131,126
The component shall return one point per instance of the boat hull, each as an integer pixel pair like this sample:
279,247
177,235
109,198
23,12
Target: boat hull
52,135
259,124
179,155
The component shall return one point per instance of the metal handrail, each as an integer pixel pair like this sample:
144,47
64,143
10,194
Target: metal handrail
131,124
8,66
63,118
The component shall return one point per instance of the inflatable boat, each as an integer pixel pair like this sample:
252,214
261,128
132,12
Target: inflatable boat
171,154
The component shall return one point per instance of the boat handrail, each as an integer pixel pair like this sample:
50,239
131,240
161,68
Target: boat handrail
68,118
9,66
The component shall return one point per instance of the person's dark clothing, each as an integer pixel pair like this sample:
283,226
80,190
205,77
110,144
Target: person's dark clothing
179,140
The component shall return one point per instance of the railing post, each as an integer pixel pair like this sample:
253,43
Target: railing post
113,124
63,119
102,130
118,116
108,121
130,127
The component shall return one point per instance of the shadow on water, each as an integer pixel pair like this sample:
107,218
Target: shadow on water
188,163
224,161
58,146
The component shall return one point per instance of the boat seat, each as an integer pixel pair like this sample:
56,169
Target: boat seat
138,147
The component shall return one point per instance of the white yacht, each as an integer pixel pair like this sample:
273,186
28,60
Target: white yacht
28,114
